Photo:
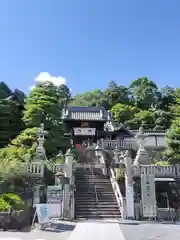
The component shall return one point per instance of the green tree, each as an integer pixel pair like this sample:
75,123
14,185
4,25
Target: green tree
11,106
64,95
124,113
5,91
166,98
144,93
162,119
89,99
114,94
43,105
173,139
10,121
144,118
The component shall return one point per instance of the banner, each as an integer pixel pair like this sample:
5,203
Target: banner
148,195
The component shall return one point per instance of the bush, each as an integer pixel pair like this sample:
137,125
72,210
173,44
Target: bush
4,205
11,201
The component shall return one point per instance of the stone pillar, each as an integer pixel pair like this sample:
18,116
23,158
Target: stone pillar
116,159
68,173
129,186
36,195
121,164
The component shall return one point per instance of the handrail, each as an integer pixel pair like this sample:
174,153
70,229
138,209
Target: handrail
95,190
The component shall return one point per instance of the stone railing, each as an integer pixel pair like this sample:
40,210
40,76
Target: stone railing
118,195
122,144
158,171
35,168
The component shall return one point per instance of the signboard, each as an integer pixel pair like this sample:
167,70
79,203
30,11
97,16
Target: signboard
54,194
148,195
55,210
85,131
46,211
42,213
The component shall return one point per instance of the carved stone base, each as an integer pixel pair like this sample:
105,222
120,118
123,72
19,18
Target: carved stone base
142,158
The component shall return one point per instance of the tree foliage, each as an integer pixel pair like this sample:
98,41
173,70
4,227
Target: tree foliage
140,103
44,105
11,105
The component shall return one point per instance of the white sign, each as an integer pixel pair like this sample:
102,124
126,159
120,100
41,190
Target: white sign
54,194
42,213
46,211
85,131
148,195
54,210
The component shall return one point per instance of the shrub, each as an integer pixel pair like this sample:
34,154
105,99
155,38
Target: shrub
11,201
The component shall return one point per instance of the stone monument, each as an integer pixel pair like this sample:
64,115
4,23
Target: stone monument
142,157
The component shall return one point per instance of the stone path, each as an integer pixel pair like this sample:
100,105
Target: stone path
96,231
151,231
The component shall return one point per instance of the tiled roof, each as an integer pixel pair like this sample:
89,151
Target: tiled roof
84,109
150,132
85,113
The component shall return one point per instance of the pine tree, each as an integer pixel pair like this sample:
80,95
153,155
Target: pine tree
42,105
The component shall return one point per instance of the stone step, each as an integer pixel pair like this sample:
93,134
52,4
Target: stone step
94,198
82,183
96,212
86,196
87,181
92,177
99,204
90,183
90,192
93,192
98,216
93,201
98,208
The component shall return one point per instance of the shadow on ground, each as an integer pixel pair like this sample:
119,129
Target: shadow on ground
59,227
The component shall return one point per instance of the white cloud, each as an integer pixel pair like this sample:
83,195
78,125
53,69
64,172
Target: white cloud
45,76
31,87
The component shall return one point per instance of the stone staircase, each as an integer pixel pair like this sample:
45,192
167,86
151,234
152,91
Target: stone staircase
94,197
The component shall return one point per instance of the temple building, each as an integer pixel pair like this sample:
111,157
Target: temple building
90,124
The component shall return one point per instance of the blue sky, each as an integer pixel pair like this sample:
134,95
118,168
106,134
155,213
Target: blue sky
89,42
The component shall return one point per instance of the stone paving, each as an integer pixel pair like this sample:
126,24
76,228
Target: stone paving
151,231
96,230
61,231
